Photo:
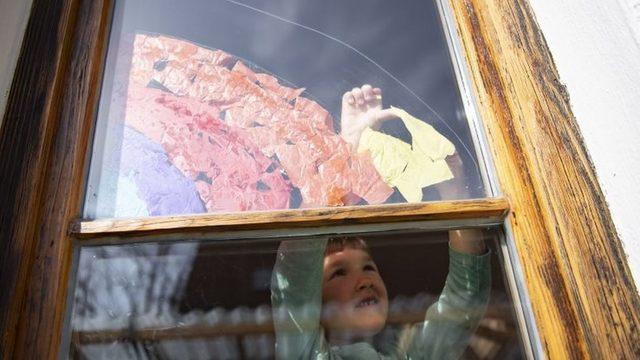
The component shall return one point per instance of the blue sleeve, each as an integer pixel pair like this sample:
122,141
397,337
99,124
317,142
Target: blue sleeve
450,322
296,298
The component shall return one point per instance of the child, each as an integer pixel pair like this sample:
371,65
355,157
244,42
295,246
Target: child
329,299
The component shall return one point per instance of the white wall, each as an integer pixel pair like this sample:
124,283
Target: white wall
13,21
596,48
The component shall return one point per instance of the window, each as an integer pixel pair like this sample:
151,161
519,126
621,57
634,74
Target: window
237,114
212,297
511,70
202,119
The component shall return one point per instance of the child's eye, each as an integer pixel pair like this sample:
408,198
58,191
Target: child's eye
338,272
370,267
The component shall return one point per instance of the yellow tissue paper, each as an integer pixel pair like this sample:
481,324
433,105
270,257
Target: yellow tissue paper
409,167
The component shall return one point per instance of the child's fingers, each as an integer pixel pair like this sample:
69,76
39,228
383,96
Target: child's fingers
367,91
377,92
362,95
380,117
348,98
358,95
386,114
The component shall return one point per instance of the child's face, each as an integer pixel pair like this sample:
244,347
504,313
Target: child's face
353,294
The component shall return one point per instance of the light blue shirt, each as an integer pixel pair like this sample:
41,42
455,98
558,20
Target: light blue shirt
296,296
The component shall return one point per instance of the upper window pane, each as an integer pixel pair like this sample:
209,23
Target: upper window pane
222,106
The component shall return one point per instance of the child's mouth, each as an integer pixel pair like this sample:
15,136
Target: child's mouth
368,301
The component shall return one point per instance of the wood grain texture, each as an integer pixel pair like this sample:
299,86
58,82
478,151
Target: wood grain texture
492,210
35,319
28,129
583,295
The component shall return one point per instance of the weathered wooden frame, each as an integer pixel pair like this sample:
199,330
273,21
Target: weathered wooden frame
581,290
490,211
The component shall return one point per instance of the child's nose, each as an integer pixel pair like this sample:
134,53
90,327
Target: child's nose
364,283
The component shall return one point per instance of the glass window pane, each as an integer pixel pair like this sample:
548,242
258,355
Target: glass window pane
222,106
395,293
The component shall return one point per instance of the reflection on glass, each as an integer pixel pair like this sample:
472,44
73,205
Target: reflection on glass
395,294
232,106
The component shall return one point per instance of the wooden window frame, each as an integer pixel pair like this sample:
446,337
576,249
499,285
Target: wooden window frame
582,294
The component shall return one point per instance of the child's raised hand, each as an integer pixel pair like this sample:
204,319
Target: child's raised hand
362,108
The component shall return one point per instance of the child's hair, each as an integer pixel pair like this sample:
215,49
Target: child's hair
339,243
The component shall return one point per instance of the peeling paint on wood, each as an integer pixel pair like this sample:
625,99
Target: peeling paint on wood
43,143
582,294
583,298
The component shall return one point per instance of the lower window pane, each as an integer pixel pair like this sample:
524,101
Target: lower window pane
396,294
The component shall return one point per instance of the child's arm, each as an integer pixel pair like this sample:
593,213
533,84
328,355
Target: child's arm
296,299
362,108
468,241
452,320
